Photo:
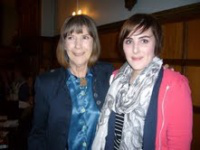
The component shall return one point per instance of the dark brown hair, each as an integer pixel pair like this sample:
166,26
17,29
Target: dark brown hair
76,24
144,22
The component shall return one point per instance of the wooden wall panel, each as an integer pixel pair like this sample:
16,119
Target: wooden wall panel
193,41
48,53
192,74
176,67
109,45
109,48
193,52
173,40
29,17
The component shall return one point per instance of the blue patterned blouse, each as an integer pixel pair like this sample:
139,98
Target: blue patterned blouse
85,113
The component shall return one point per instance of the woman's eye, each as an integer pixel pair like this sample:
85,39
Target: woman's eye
69,37
128,41
86,37
145,41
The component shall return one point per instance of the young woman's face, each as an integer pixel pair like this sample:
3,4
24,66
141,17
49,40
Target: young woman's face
139,49
79,48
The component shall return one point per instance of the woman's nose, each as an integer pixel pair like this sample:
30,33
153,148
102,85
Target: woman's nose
135,48
78,43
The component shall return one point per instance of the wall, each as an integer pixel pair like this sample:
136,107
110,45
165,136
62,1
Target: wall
9,22
105,11
48,12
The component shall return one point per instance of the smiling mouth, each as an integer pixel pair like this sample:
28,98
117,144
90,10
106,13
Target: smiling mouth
78,54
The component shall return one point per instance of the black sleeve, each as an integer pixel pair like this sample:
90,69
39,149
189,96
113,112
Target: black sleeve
36,140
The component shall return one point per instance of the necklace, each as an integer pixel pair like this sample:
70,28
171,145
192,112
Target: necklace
83,82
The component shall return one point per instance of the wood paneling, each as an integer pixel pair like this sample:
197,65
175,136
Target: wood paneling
25,42
193,74
29,17
193,39
173,41
196,131
109,45
193,52
47,56
7,57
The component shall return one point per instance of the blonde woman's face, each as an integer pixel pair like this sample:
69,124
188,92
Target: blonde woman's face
79,48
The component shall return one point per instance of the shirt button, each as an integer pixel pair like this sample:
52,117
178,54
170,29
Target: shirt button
71,90
95,95
82,93
84,144
84,128
98,102
82,110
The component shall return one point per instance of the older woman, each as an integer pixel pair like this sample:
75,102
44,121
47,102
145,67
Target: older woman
146,107
68,100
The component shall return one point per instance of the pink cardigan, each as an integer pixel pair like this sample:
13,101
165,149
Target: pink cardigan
174,120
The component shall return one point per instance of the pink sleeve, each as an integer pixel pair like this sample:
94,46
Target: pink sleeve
113,76
115,72
179,130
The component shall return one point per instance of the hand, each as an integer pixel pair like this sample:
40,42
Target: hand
166,66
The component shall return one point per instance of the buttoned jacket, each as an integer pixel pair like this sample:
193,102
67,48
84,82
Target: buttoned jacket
53,106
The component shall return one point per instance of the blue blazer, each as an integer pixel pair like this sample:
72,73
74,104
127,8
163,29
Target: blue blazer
52,109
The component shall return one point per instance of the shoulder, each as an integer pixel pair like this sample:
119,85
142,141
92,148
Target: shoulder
177,84
102,67
52,73
51,76
174,77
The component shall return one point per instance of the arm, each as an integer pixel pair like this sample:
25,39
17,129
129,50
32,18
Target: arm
37,136
179,130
